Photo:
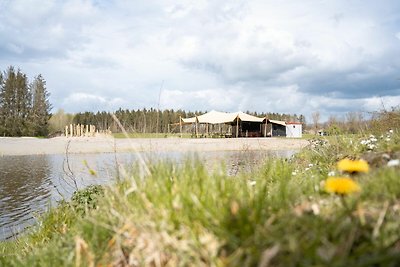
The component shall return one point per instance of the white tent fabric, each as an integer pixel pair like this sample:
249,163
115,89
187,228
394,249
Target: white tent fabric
215,117
246,117
189,120
277,122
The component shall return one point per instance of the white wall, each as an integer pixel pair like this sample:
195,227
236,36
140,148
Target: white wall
294,130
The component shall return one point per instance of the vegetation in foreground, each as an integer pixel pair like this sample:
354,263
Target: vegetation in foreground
279,215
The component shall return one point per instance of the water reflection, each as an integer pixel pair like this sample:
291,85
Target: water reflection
30,184
25,189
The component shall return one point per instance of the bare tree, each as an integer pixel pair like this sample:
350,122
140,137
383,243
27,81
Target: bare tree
315,117
354,121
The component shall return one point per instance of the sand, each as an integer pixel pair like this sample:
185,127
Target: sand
58,145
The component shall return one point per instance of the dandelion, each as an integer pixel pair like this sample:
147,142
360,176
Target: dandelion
341,185
353,166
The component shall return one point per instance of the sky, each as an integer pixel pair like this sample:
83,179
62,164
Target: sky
295,57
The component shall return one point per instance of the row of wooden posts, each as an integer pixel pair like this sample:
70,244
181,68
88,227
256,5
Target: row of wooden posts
80,130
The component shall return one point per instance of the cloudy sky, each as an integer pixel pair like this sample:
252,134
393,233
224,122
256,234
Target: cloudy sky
273,56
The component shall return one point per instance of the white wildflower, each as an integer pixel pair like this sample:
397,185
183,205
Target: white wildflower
371,146
315,209
393,163
364,142
251,182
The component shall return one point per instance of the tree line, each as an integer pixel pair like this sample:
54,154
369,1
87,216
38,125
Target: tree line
155,121
24,105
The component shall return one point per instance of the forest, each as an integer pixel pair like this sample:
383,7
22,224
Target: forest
24,105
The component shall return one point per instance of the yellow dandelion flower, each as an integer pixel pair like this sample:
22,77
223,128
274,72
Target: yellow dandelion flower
341,185
351,166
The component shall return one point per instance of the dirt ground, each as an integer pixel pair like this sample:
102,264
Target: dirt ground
59,145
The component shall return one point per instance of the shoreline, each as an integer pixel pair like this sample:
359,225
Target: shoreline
14,146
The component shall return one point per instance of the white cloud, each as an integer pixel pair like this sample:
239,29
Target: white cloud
208,99
381,103
75,101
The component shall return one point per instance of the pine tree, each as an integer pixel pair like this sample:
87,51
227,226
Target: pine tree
15,103
41,107
24,106
2,105
6,97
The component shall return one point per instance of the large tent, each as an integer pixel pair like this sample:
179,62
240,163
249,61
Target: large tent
241,121
216,117
241,124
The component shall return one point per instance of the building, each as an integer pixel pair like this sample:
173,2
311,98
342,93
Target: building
287,129
294,129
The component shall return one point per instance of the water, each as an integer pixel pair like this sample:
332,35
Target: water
29,185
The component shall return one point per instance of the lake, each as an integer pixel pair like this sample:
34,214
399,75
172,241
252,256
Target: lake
29,185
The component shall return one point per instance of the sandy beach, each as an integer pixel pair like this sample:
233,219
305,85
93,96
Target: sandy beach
58,145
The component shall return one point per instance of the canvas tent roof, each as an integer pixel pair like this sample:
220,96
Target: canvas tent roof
189,120
246,117
215,117
277,122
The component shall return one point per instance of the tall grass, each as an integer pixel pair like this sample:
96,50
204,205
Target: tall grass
188,215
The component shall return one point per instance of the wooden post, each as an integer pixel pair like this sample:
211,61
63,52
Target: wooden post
265,130
180,125
71,130
237,127
66,130
197,128
87,130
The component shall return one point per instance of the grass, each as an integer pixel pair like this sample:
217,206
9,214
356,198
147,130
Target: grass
180,215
